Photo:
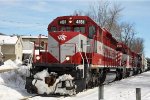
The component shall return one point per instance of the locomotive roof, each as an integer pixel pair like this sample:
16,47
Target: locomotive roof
87,18
109,35
76,17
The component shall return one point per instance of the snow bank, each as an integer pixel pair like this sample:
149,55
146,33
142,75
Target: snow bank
42,87
24,71
9,63
18,63
41,74
12,80
39,82
13,74
65,77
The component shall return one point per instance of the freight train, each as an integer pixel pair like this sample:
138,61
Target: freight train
79,55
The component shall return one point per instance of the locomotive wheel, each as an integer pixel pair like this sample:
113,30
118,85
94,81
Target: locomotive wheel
81,85
119,74
135,71
127,73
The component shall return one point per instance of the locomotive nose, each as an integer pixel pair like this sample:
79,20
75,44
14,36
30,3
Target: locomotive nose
63,46
62,37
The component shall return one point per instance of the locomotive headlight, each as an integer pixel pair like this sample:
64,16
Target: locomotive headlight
67,58
70,21
37,57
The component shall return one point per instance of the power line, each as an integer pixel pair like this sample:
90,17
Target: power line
19,22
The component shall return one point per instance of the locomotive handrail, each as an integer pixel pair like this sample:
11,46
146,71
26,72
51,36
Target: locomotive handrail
81,57
86,55
80,53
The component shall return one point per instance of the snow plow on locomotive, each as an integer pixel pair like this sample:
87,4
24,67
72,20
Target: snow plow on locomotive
79,55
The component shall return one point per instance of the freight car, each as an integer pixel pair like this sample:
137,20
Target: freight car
79,55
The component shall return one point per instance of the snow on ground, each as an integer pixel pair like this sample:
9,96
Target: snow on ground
12,80
120,90
9,65
12,87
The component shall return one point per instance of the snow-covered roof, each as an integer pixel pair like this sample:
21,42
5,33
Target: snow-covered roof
43,36
8,39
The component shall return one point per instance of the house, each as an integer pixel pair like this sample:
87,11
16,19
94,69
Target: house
43,38
28,44
11,47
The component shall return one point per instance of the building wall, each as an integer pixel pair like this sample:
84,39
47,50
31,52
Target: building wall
144,63
1,55
12,51
9,56
18,49
8,48
35,39
8,52
28,43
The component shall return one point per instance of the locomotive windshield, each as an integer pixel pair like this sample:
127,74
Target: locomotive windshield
53,29
79,29
65,28
69,25
75,25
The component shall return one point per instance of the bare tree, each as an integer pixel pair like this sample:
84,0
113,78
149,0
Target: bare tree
138,45
114,15
106,15
127,34
99,12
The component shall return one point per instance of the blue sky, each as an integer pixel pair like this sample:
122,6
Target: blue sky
25,17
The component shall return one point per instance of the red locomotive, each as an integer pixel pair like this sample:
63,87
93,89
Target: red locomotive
78,47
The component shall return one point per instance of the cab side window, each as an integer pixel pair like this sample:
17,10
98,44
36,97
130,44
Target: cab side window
92,31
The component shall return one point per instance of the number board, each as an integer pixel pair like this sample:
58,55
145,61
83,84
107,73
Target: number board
64,21
80,21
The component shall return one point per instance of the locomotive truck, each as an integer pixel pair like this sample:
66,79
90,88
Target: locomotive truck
79,55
